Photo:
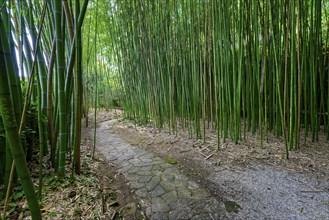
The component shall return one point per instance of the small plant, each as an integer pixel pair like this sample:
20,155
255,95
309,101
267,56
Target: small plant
53,214
232,206
170,160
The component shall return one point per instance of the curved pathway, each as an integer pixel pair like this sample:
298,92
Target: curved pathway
162,189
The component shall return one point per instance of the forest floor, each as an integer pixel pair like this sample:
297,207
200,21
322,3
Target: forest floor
99,192
247,181
141,172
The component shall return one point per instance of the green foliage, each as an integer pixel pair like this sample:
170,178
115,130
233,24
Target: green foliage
30,134
170,160
18,195
88,181
53,182
52,214
232,206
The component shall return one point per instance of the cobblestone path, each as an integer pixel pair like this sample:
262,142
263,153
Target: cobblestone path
162,189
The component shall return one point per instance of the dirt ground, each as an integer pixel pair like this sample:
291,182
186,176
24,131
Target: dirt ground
118,201
260,180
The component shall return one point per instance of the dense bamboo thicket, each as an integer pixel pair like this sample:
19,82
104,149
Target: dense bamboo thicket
259,66
40,56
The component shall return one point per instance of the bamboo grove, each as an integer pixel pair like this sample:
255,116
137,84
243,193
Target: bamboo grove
237,66
40,91
234,66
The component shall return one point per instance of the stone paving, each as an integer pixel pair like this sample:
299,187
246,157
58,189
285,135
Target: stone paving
162,189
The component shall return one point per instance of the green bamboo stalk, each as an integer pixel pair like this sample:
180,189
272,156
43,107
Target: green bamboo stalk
22,121
79,92
96,80
51,134
7,112
2,152
61,94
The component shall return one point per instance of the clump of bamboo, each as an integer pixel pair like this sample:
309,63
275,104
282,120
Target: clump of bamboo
240,66
33,39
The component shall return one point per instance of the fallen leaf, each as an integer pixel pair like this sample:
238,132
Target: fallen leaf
47,207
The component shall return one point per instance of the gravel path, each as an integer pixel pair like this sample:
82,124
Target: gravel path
162,189
266,192
260,191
